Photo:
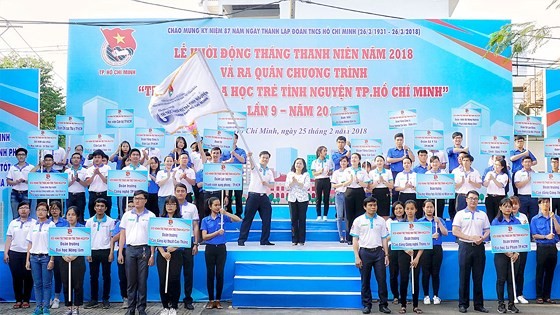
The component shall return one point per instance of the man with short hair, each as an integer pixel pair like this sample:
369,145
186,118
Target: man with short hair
395,156
340,152
522,180
454,162
135,164
472,227
466,179
517,156
184,174
236,156
371,250
77,185
17,178
134,233
96,179
46,166
422,166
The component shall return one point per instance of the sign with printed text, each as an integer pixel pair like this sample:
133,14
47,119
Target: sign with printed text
119,118
411,235
466,117
367,148
48,185
42,140
404,118
70,125
171,232
218,138
494,145
428,139
228,123
545,185
125,183
70,241
150,137
435,186
510,238
218,176
552,147
527,125
106,143
345,115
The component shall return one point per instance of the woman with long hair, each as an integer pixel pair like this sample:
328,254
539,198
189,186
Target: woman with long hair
397,216
355,193
495,182
153,187
121,154
381,185
322,169
341,178
297,185
57,217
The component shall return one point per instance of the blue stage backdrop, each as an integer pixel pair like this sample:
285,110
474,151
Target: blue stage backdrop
287,74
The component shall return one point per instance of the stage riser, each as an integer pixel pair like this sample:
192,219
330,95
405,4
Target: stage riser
295,301
298,285
296,270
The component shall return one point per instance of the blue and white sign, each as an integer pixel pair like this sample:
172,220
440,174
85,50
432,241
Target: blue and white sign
411,235
494,145
345,115
218,176
150,137
171,232
552,147
545,185
510,238
70,241
226,122
466,117
119,118
42,140
367,148
125,183
435,186
106,143
404,118
527,125
218,138
428,139
48,185
70,125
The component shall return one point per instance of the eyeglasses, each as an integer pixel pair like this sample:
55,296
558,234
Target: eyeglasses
472,198
139,198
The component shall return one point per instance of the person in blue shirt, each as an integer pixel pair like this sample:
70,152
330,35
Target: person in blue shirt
423,165
236,156
545,233
121,154
516,157
432,258
454,160
213,233
502,261
340,151
395,157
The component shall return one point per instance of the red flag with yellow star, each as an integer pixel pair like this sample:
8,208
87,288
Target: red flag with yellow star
117,37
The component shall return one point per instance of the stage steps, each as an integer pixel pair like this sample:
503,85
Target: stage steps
278,284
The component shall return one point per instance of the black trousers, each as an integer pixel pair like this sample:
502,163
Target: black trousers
383,197
452,209
404,273
261,203
492,203
188,267
431,265
171,298
215,262
238,194
298,211
91,203
152,204
322,194
123,284
99,258
354,198
77,200
21,278
56,275
520,273
373,258
555,205
547,257
77,281
394,272
503,274
472,259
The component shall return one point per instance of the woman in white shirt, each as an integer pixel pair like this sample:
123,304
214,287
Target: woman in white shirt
495,183
355,193
164,179
340,179
520,272
322,169
381,183
405,184
398,215
297,185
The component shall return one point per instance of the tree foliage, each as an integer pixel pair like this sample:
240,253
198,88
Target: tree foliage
521,37
52,101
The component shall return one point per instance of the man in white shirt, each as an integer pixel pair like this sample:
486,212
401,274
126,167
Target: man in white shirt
466,179
135,164
262,179
522,180
186,175
139,255
17,178
96,179
77,175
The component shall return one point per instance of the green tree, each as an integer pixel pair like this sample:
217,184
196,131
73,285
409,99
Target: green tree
521,37
52,99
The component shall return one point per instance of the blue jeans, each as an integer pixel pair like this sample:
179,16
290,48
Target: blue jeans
42,279
340,206
15,199
161,203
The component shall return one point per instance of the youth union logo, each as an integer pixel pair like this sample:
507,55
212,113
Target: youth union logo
119,46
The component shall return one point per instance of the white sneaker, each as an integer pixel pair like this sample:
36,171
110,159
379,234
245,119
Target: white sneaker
55,303
124,303
427,300
437,300
522,299
172,311
319,218
164,312
324,218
